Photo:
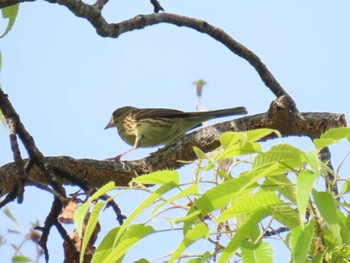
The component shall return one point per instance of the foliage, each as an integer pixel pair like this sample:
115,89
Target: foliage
253,194
10,13
31,238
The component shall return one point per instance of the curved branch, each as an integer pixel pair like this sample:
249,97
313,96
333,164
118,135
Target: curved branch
93,14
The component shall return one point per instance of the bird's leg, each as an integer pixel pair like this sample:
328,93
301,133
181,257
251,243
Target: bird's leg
117,158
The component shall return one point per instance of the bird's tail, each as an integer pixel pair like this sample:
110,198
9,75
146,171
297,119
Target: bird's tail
207,115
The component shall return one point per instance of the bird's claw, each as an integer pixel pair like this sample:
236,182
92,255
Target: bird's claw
117,159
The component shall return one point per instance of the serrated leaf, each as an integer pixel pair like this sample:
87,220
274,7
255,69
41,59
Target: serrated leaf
301,241
284,154
242,232
222,194
9,12
282,184
328,210
159,177
256,253
305,183
249,203
286,215
197,232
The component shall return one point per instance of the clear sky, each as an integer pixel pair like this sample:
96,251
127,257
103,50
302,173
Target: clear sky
65,81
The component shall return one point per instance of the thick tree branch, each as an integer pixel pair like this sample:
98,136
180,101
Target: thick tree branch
35,155
97,173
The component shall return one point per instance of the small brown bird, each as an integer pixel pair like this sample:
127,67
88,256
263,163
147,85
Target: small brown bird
153,127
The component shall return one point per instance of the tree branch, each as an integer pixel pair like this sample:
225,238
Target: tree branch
93,14
97,173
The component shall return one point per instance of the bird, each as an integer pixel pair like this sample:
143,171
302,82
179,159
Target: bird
149,127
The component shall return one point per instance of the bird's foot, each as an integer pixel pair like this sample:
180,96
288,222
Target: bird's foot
124,165
115,159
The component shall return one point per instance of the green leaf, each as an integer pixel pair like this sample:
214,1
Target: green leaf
258,134
192,216
107,253
240,149
284,154
301,241
328,210
286,215
199,153
80,213
332,136
9,12
12,218
90,227
202,259
344,227
256,253
191,190
142,260
305,183
345,188
222,194
133,235
21,258
197,232
242,232
229,138
2,119
102,191
314,161
106,246
337,133
142,207
159,177
282,184
318,258
249,203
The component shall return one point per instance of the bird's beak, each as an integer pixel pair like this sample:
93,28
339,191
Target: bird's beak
110,124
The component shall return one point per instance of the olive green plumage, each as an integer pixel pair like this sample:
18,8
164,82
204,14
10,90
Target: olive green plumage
153,127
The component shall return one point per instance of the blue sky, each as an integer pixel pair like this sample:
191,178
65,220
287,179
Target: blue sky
65,81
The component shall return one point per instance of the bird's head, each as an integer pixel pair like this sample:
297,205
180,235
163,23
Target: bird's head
118,115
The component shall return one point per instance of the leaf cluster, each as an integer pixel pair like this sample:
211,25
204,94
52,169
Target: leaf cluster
251,196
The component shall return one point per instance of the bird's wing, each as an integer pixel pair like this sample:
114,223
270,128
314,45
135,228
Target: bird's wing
158,113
